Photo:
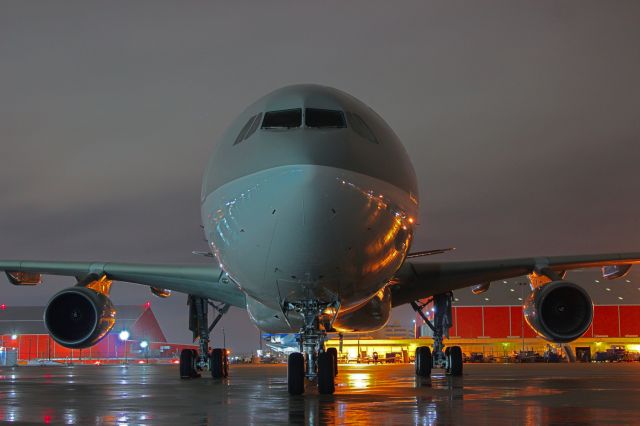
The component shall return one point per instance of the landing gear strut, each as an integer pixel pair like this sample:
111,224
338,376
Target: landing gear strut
451,358
313,361
193,361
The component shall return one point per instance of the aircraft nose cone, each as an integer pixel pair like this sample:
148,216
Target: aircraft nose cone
305,227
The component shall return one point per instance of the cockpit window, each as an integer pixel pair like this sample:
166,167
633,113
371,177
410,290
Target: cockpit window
360,127
324,118
284,119
249,128
254,126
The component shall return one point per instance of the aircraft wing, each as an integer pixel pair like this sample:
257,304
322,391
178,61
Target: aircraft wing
199,280
417,280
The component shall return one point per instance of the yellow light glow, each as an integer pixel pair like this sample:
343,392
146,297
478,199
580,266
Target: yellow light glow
359,380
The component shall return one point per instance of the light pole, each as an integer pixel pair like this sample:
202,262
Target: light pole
124,336
144,345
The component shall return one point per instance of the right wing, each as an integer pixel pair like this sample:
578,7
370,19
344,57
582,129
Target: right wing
206,281
418,280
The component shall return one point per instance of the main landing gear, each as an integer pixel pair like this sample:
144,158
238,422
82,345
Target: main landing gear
313,361
193,361
451,358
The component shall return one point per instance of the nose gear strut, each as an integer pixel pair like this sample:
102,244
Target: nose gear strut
318,363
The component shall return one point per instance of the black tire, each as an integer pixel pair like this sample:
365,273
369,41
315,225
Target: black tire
216,363
295,374
424,361
447,366
416,360
334,354
187,364
454,361
225,363
326,375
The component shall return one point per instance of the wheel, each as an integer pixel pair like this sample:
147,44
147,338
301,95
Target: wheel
217,363
334,354
424,361
454,361
188,364
447,364
326,375
295,373
225,364
416,360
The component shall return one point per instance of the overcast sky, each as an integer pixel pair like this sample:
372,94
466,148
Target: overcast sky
522,119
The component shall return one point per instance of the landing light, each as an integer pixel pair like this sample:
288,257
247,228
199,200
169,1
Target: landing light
124,335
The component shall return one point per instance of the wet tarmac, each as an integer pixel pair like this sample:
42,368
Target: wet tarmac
528,394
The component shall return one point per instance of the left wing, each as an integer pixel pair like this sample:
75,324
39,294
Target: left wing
417,280
206,281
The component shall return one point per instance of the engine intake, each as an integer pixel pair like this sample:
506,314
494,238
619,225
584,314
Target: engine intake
78,317
559,311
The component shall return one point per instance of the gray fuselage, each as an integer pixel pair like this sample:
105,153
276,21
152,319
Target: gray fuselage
309,212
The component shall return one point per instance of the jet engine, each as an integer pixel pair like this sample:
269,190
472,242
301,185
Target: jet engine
372,316
78,317
559,311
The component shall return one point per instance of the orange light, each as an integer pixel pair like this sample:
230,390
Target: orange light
410,220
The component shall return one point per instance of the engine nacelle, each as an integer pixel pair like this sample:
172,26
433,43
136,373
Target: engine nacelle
78,317
559,311
372,316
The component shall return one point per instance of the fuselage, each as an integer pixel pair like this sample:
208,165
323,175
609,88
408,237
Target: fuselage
309,194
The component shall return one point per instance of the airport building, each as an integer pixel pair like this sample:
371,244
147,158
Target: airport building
136,337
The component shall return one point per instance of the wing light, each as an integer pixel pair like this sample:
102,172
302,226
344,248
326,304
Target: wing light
24,278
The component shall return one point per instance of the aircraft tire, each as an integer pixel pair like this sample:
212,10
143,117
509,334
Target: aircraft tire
447,366
455,361
334,355
217,363
424,361
187,365
326,375
295,374
416,359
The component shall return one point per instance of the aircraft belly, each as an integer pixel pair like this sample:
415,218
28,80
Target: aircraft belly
305,231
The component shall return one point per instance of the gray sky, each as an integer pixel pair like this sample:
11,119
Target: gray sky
522,119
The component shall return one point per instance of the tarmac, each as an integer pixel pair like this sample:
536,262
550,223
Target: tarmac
523,394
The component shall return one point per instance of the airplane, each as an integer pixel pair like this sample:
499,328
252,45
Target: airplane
309,205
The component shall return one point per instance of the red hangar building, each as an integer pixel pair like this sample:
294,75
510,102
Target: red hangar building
136,337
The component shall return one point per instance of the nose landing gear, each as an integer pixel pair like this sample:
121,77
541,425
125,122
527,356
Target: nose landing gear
449,359
313,361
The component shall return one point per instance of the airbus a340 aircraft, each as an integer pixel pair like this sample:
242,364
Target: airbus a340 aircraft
309,204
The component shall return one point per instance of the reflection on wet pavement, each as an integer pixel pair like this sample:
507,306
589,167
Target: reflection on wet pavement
527,394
